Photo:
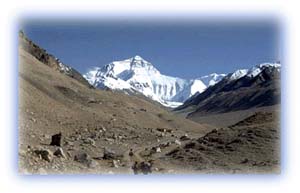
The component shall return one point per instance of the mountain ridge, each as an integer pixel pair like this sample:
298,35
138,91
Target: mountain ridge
243,89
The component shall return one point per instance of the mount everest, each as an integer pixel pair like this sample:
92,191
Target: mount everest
138,75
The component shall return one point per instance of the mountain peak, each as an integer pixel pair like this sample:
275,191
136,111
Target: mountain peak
137,57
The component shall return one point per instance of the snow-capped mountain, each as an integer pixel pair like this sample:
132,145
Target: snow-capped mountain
138,75
252,72
212,79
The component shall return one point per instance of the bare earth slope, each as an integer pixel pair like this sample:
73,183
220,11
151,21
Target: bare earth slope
249,146
98,127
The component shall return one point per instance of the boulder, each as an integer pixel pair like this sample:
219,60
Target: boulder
59,153
56,139
85,159
143,167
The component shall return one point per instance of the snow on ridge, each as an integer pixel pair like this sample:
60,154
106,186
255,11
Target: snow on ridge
212,79
257,69
252,72
140,75
238,74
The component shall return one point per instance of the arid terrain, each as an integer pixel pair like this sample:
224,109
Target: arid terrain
67,126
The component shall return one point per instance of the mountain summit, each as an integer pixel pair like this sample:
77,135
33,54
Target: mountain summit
138,75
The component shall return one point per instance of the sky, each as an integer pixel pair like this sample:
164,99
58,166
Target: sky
186,49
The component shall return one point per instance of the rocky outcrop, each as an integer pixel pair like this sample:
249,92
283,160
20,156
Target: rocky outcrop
43,56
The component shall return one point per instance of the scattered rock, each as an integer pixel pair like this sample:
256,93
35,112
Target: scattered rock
56,140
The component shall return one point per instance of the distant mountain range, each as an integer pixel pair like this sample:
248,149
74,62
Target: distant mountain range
242,89
138,75
258,86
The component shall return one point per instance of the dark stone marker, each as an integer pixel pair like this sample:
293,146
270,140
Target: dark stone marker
56,139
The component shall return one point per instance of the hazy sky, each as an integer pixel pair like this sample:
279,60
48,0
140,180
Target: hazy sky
182,49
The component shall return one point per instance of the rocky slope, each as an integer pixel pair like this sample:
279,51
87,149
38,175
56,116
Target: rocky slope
241,90
48,59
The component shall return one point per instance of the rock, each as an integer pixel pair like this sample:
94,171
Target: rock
158,150
44,154
46,136
244,161
70,143
33,119
56,140
184,138
131,152
81,157
92,100
109,154
109,139
115,163
177,142
143,167
59,153
89,141
85,159
78,137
